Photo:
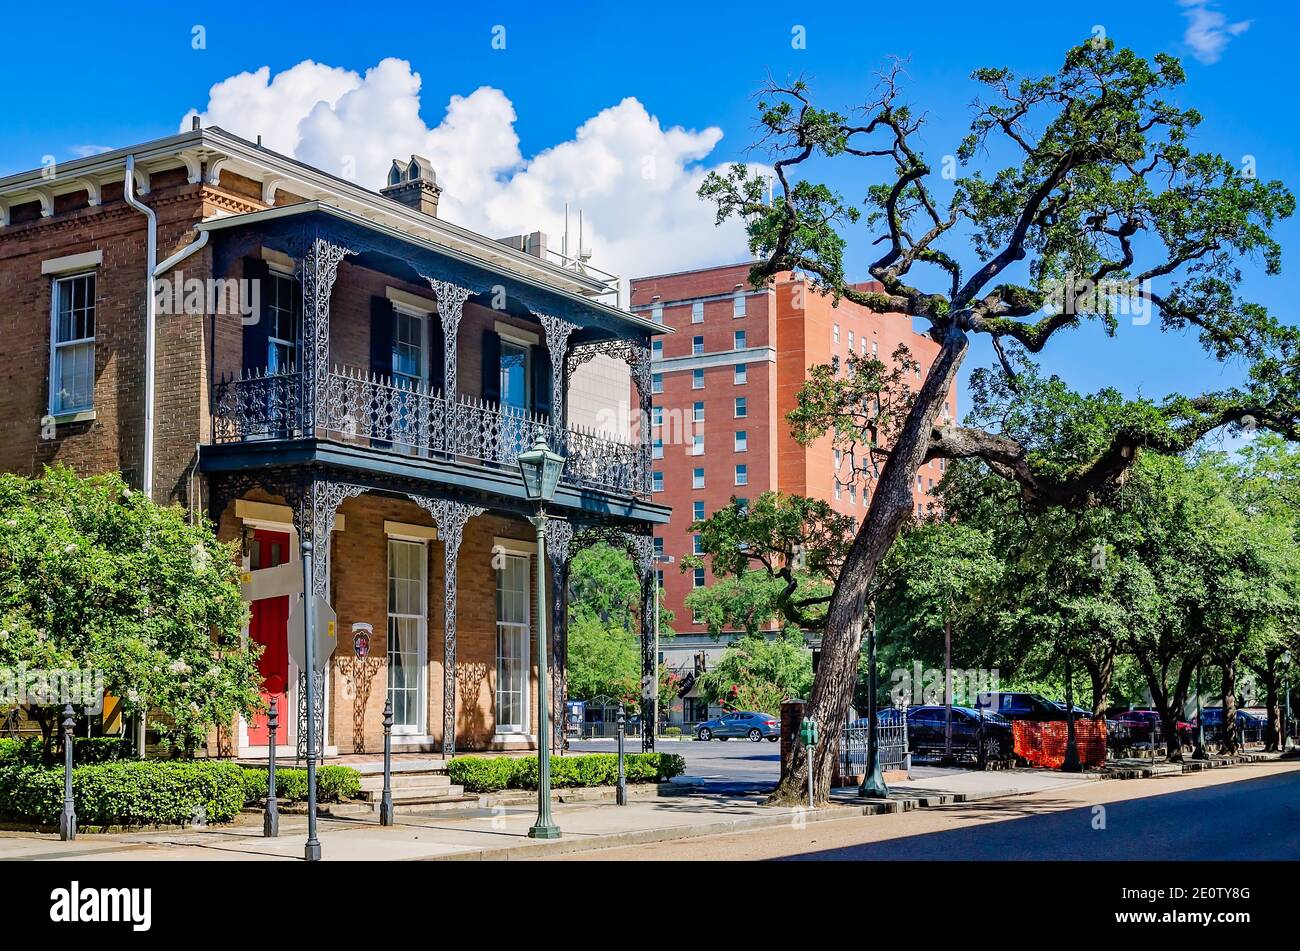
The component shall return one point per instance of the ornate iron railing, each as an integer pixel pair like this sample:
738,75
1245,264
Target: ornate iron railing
376,411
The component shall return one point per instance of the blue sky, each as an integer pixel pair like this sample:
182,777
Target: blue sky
105,84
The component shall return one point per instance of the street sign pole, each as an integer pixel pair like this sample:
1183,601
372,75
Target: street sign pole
312,850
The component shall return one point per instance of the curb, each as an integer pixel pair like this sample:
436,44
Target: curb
870,807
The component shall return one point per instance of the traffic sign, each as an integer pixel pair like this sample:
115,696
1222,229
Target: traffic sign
326,632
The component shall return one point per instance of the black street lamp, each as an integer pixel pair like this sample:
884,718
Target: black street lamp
541,470
1071,764
873,782
1199,752
622,773
1286,693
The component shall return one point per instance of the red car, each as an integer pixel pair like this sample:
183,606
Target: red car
1140,724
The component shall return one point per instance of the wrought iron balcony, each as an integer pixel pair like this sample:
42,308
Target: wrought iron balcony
366,409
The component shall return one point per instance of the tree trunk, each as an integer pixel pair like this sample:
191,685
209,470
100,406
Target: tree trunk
891,506
1229,743
1101,671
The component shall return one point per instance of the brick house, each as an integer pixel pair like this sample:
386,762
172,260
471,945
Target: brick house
337,366
722,385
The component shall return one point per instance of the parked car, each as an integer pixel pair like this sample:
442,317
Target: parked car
1139,725
1245,719
984,736
755,727
1019,705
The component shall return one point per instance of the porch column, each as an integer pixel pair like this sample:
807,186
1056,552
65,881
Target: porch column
450,518
317,270
315,503
451,304
558,330
559,541
642,549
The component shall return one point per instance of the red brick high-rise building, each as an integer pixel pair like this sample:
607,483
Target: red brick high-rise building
723,384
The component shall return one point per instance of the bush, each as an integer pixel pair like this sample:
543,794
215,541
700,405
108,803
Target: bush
492,773
673,731
333,784
151,792
29,751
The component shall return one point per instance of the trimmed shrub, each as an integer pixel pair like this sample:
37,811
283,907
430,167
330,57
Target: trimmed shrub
492,773
152,792
672,731
29,751
333,784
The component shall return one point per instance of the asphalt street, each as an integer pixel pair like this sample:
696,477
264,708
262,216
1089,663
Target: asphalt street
1248,813
733,766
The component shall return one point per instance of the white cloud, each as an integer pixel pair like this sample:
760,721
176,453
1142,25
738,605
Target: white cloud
86,151
1208,31
634,180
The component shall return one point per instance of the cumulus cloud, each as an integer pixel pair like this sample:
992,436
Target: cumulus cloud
1208,31
633,179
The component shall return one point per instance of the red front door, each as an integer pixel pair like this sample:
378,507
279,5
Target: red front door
269,626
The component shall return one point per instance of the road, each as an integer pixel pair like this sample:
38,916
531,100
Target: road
1248,813
734,766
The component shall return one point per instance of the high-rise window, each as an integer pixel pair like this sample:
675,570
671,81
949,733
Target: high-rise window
657,350
738,343
742,441
697,510
657,448
835,334
697,346
738,305
697,545
657,313
697,379
742,474
697,312
698,578
742,407
740,374
656,382
697,411
697,444
697,478
657,482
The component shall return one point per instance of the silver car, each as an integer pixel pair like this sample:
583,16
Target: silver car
753,726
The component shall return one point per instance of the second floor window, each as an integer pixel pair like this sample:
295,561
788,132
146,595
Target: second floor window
410,355
284,323
72,358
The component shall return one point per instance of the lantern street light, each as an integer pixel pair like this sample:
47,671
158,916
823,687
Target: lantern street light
541,470
1286,692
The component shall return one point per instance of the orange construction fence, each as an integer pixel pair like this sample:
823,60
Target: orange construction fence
1043,743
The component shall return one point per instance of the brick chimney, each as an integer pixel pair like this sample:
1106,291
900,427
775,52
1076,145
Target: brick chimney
414,183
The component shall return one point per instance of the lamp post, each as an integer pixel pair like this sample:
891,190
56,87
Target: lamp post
1286,693
1071,764
1199,752
541,470
873,783
271,818
386,797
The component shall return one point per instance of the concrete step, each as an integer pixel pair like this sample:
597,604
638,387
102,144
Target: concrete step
416,794
404,780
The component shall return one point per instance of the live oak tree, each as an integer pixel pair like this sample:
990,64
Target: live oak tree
1102,189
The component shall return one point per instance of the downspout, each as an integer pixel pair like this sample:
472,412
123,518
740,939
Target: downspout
151,258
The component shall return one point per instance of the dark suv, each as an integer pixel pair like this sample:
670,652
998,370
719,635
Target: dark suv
1021,706
982,736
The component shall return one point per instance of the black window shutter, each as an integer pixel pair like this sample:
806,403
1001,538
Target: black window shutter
381,336
491,366
256,354
542,380
437,366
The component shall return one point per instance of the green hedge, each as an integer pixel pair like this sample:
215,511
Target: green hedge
28,751
491,773
154,792
333,784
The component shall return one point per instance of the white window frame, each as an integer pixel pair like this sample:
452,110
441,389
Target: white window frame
697,312
741,408
742,473
697,379
742,440
56,408
740,376
738,340
523,631
697,483
420,727
738,306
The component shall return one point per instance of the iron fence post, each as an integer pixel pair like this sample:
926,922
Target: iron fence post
386,801
271,819
67,818
622,776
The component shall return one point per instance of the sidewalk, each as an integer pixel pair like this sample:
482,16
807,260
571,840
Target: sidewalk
502,832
